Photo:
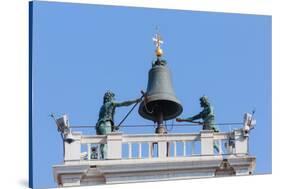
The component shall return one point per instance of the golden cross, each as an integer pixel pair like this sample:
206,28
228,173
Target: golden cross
157,40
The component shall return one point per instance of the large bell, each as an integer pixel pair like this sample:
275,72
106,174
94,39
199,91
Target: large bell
160,102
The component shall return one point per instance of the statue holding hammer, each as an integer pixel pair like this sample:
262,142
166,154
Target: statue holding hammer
207,115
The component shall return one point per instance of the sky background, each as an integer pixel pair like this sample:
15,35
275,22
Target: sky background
80,51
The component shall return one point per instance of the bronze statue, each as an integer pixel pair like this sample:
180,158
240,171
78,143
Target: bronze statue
105,122
207,115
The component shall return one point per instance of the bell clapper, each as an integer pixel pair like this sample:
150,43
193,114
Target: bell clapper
160,129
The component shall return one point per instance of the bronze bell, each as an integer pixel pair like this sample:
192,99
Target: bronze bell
160,102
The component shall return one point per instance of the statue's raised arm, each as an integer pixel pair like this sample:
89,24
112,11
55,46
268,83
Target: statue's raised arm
127,103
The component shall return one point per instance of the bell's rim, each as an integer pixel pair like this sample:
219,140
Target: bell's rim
150,116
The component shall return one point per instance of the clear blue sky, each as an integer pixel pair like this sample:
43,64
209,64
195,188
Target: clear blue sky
81,51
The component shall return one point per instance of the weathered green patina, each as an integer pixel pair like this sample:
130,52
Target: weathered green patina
207,115
105,122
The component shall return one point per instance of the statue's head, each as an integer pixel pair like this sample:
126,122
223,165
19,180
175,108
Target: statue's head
204,101
108,96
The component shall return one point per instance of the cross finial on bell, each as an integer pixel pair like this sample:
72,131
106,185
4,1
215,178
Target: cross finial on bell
158,41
